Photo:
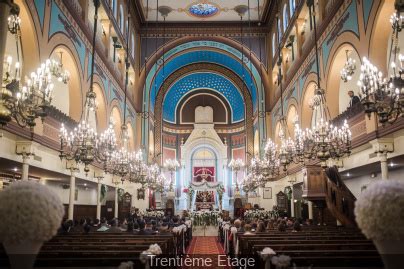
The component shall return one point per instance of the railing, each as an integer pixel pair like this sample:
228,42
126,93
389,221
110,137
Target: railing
348,114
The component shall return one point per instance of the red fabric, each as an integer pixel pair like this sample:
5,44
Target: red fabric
209,171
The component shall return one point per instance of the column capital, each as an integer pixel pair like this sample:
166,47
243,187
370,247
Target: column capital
25,149
72,166
383,145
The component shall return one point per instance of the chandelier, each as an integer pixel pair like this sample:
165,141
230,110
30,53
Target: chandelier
322,141
25,102
155,180
236,165
380,95
171,165
349,68
138,169
81,144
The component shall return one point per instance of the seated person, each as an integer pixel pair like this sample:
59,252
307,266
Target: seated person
247,229
143,230
103,226
282,226
114,227
164,229
296,227
261,227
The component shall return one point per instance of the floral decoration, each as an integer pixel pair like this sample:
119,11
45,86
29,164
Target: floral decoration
379,211
34,213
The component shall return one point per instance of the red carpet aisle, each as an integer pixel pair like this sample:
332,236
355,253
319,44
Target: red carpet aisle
207,247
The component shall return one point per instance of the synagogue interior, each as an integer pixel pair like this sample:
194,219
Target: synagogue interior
202,134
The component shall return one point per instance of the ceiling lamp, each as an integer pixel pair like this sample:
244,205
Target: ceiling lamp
122,159
323,141
81,144
349,68
171,165
380,95
236,165
28,101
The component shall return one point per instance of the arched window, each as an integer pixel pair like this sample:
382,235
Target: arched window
121,17
279,32
285,17
113,7
133,45
273,45
292,7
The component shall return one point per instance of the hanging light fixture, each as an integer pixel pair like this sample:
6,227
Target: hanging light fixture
122,159
349,68
81,144
236,165
322,141
380,95
171,165
28,101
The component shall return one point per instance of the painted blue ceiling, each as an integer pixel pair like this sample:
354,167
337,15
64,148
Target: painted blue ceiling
199,56
203,80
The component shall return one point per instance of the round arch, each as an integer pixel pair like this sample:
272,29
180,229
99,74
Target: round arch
210,68
69,96
305,111
381,32
337,90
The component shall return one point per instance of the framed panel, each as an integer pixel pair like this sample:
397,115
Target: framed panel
267,193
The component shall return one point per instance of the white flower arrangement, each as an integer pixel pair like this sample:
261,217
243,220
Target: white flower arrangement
268,251
126,265
379,211
153,249
233,230
31,213
281,261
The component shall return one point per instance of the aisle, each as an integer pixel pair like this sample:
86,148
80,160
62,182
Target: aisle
205,245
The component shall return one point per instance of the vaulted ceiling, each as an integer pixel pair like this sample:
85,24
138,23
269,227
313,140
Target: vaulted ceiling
201,10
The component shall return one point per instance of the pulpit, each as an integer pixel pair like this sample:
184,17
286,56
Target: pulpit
124,206
169,207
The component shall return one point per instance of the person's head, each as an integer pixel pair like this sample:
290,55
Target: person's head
141,225
103,220
242,224
83,222
175,220
351,93
114,223
164,226
96,221
237,223
282,227
296,226
261,227
247,228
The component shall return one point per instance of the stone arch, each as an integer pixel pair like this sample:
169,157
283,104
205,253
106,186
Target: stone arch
178,41
336,89
68,97
305,111
115,115
206,67
28,53
101,113
381,33
290,119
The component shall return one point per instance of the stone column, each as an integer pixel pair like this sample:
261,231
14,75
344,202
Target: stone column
98,216
292,205
382,147
25,149
71,194
25,167
116,203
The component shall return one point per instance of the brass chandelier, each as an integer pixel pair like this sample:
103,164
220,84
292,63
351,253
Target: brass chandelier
29,100
384,96
81,144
